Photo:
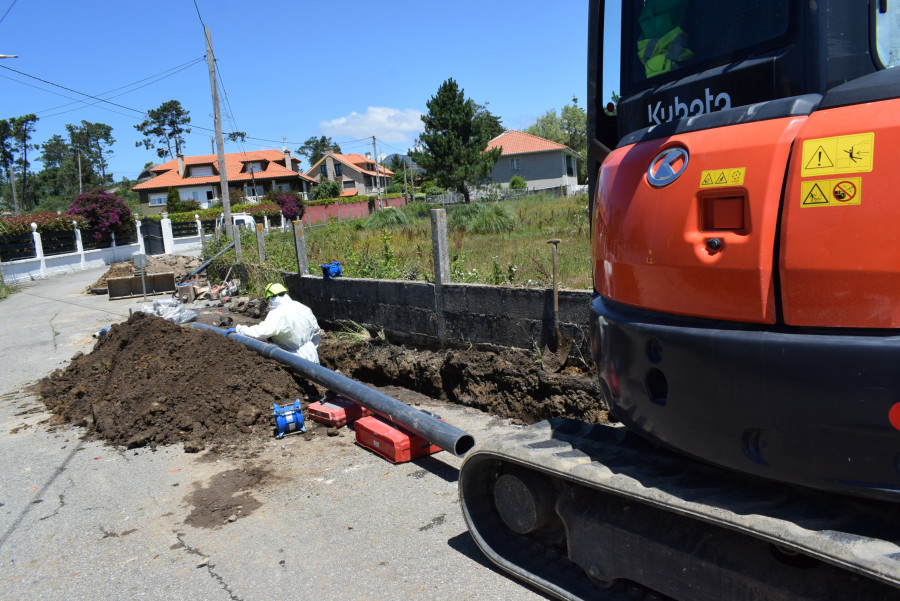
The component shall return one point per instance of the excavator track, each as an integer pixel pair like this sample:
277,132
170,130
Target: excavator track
586,511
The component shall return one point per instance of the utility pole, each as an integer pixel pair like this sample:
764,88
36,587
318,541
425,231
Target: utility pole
405,185
78,154
377,174
12,182
230,230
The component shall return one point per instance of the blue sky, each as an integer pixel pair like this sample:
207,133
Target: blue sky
345,69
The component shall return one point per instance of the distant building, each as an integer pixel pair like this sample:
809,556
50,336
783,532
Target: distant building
356,173
541,163
250,175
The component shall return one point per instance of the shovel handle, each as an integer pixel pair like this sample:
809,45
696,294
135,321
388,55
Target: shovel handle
555,242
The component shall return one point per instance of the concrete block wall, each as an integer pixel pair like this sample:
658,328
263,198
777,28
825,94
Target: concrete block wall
487,316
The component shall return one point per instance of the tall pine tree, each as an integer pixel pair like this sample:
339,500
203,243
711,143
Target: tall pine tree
452,147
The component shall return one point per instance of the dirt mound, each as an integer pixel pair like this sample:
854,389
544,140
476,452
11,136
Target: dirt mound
177,264
509,383
152,382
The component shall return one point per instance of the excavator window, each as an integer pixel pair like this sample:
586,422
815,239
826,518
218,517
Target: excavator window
887,32
662,38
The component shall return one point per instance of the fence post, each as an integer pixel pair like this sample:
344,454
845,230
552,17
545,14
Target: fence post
79,245
200,233
441,255
168,238
266,223
38,248
140,237
300,248
261,243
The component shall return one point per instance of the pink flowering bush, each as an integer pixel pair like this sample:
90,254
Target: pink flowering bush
46,222
104,213
292,206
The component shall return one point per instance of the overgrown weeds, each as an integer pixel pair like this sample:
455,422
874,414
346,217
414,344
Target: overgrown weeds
502,243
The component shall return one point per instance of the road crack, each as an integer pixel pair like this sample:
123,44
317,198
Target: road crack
206,563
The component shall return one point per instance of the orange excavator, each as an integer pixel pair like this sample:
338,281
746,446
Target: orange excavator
745,324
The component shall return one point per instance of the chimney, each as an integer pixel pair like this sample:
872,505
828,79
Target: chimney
369,155
287,159
181,165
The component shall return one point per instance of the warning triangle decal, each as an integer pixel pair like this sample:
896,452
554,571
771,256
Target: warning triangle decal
706,180
815,197
819,160
722,179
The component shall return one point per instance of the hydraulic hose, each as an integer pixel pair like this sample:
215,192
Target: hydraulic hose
442,434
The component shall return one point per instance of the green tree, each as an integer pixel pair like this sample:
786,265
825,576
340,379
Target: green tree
326,189
454,141
21,129
94,142
163,127
58,180
315,148
568,128
489,122
517,182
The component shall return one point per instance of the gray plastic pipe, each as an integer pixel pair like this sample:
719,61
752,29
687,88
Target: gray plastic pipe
205,265
442,434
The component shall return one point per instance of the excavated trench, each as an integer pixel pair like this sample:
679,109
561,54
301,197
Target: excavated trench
150,382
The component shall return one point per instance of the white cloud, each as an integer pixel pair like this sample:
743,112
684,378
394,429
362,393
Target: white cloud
388,124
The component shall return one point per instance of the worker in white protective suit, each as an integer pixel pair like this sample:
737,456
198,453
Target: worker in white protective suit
290,325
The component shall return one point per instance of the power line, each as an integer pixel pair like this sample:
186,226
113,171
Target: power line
156,78
7,10
122,106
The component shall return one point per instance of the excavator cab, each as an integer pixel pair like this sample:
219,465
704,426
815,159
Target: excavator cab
745,322
746,309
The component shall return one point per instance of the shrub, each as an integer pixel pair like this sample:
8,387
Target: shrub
517,182
327,189
292,206
494,219
460,217
46,222
389,217
395,189
174,204
104,213
418,209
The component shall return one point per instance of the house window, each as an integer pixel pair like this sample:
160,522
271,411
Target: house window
202,171
282,187
158,200
570,171
349,184
515,164
254,167
324,170
254,191
338,169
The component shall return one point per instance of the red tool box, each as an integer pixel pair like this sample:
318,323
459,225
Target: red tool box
336,412
391,442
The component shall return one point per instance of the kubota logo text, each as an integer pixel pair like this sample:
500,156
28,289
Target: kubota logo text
658,113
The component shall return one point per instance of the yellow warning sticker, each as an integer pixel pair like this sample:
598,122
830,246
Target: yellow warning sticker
840,154
831,192
717,178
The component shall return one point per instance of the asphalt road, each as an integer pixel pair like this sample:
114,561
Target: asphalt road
80,520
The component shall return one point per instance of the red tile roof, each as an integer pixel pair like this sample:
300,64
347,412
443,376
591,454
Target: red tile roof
358,162
517,142
234,165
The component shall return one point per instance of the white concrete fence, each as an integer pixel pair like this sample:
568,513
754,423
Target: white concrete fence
41,266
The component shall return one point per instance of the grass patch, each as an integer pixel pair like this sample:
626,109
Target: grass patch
502,243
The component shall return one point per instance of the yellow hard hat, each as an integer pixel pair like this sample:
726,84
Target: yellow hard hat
274,290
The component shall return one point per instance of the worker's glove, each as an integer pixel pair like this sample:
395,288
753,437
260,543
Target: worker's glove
230,331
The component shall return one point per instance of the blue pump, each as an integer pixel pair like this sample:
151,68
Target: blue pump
332,270
288,419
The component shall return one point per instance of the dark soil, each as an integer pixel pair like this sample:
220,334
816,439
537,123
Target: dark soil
151,382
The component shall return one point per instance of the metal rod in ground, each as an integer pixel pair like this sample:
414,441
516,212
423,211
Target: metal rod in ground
442,434
205,265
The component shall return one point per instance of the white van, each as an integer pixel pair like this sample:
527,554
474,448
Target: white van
239,219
